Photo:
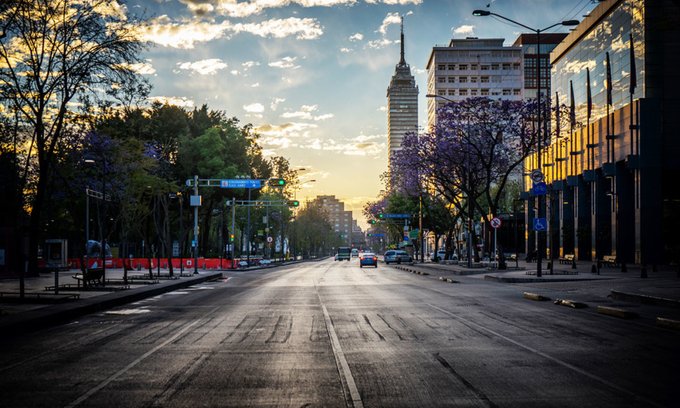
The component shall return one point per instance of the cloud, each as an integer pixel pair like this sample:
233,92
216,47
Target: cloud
302,28
356,37
204,67
306,113
464,30
391,18
186,34
378,44
275,103
285,63
255,85
180,101
254,108
395,2
359,146
234,8
142,68
345,50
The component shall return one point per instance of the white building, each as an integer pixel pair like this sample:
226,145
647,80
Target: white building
471,68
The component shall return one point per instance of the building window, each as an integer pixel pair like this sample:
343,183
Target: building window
441,67
474,67
507,92
463,67
462,92
441,79
516,92
473,92
462,80
485,67
473,79
452,80
441,92
506,67
452,67
452,92
485,79
484,92
494,67
515,66
497,79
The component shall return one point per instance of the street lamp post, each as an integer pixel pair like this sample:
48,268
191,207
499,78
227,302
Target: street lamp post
541,200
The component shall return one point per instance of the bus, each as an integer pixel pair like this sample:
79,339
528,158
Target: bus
344,253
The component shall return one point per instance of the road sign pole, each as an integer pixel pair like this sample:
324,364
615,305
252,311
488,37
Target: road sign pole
495,247
196,227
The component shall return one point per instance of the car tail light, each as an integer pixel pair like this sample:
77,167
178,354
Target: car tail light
375,258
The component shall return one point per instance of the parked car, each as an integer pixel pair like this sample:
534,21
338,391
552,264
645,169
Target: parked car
368,259
355,252
397,256
243,264
441,256
265,261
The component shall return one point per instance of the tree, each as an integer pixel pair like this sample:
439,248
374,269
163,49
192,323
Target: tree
51,53
474,149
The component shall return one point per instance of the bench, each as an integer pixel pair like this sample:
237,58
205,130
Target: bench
609,260
89,276
567,259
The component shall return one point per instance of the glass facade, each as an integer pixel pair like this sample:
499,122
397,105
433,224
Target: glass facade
612,35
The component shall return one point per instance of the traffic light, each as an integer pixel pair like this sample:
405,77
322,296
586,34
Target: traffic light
293,203
231,237
277,182
372,221
381,216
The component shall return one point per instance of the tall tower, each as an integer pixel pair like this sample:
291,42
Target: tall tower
402,103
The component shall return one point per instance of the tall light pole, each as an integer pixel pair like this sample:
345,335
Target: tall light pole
541,199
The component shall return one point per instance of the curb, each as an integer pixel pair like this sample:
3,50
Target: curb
534,296
669,323
616,312
570,303
40,318
401,268
645,299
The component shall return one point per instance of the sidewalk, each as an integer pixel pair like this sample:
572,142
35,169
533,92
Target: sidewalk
660,287
42,305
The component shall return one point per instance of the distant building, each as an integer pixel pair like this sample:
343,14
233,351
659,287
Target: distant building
341,221
470,68
529,43
402,103
614,174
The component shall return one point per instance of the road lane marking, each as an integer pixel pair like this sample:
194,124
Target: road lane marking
547,356
340,359
122,371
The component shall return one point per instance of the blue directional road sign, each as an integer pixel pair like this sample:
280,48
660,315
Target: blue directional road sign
396,215
540,224
540,188
240,183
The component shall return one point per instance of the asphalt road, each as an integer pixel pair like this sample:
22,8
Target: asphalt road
330,334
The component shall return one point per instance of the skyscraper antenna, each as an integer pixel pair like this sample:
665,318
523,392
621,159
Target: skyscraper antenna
402,61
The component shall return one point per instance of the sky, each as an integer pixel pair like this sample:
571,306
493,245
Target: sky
311,76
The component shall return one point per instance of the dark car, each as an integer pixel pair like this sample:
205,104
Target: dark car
368,259
397,256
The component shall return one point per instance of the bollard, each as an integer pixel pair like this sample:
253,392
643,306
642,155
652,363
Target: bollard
624,268
593,269
643,272
573,263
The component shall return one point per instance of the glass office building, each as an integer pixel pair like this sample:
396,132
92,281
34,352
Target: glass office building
613,172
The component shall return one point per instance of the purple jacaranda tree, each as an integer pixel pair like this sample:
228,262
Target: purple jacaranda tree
473,150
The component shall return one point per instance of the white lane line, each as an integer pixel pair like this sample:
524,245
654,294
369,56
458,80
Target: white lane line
137,361
549,357
341,360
